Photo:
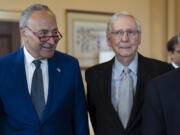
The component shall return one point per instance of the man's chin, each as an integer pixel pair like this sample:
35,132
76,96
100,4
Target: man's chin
47,55
126,54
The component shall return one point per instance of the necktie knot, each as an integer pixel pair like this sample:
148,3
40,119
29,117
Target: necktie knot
37,63
126,70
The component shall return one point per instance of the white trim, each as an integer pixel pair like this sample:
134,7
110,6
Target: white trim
6,15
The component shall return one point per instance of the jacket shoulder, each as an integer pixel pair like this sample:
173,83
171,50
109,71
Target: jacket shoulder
100,67
154,63
8,59
151,60
63,56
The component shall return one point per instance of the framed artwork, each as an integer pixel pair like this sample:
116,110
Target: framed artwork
86,35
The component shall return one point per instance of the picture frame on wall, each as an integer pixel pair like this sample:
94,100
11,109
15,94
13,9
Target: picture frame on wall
86,35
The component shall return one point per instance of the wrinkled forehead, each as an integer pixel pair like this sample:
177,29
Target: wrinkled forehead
124,23
42,20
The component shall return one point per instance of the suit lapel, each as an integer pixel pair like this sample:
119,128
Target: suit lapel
105,82
142,77
174,84
18,71
105,90
54,79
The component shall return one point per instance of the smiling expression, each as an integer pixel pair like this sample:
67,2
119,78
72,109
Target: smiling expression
40,22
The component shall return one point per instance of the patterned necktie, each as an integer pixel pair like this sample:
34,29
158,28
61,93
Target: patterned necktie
125,97
37,89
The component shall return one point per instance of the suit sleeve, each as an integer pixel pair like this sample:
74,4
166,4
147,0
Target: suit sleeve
153,120
1,118
80,114
1,108
90,104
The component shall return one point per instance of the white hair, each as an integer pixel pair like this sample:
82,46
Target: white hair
28,11
116,16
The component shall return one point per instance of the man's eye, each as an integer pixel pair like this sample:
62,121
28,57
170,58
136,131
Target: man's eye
119,32
54,33
42,33
131,32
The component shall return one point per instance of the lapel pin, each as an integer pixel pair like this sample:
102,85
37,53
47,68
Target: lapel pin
58,69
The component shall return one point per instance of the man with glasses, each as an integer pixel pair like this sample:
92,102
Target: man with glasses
115,89
173,47
41,90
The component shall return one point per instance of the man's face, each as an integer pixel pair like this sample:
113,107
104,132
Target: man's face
124,38
175,56
40,24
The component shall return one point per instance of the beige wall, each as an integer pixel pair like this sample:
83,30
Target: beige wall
158,15
140,8
177,16
159,18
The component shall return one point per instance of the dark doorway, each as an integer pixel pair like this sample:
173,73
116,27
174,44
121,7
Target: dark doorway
9,37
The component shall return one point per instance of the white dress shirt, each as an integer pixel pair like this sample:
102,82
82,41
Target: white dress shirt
117,74
30,67
174,64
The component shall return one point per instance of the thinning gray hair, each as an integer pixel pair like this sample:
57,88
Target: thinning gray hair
116,16
28,11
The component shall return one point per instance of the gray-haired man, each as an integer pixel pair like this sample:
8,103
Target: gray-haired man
115,89
41,90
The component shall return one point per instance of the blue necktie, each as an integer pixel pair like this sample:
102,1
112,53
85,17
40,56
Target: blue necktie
37,89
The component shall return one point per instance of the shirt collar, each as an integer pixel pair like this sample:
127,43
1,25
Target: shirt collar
29,58
174,65
118,67
134,64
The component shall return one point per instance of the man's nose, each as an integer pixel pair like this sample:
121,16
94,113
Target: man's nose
51,40
125,37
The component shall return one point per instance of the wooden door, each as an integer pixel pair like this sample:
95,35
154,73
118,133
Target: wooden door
9,38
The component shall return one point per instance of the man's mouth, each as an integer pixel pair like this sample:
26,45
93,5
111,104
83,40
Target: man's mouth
124,47
48,46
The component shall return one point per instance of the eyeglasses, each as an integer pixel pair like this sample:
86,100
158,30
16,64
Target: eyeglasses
120,33
42,35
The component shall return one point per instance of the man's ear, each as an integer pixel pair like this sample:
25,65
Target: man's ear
108,38
139,38
170,54
22,31
23,34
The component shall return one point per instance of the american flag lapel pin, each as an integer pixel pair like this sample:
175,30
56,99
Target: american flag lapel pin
58,69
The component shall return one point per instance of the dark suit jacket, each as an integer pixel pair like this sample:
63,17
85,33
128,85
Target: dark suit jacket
105,120
162,105
65,112
172,66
